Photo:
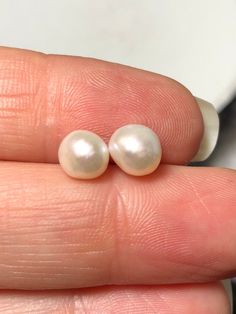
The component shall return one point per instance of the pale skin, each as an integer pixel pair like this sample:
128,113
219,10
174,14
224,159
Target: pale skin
159,244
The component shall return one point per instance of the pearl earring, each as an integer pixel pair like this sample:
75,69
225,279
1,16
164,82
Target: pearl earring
83,155
136,149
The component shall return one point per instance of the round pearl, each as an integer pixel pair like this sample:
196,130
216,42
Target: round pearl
136,149
83,155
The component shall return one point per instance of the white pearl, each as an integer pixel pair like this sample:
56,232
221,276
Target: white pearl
136,149
83,155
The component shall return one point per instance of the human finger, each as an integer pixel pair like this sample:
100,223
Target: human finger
44,97
177,225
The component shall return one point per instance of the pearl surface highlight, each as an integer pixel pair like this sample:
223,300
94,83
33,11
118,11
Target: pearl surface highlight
136,149
83,155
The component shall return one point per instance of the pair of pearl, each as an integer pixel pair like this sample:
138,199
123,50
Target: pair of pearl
134,148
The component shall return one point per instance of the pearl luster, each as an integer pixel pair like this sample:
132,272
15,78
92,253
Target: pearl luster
135,149
83,155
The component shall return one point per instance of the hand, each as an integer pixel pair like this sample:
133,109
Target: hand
174,230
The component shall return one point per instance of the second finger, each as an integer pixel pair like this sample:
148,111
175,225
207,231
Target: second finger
177,225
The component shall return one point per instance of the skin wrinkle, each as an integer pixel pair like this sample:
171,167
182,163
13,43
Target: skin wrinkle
120,231
131,303
217,222
29,92
150,305
188,251
54,129
165,303
80,305
199,198
162,247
